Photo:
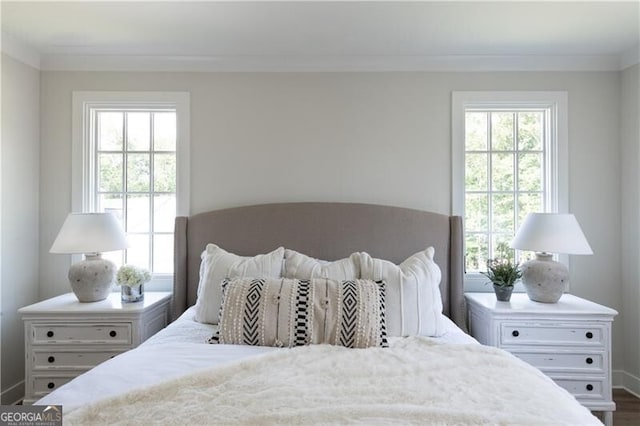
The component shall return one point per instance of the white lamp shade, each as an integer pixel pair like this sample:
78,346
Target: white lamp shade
551,233
90,233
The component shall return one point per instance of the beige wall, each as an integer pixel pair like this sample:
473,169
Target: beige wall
20,214
630,152
368,137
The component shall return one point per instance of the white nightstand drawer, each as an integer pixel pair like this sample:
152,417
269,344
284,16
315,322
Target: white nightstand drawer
64,337
75,360
514,333
119,334
555,361
570,341
42,385
586,388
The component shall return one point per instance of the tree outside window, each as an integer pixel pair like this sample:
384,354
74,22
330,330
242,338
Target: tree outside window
509,158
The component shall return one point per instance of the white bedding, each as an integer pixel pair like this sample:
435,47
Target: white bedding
417,381
177,350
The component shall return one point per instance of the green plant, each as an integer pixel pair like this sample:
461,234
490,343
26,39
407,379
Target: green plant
502,272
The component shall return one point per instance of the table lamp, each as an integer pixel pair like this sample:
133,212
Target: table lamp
90,234
544,279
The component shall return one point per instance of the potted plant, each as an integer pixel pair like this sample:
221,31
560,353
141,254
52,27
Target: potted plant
131,281
503,274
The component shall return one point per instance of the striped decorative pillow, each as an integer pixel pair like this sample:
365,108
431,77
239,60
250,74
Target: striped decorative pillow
291,312
414,303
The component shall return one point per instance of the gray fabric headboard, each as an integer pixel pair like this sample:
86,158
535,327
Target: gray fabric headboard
327,231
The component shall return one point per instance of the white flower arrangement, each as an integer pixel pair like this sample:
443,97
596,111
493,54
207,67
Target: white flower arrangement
132,276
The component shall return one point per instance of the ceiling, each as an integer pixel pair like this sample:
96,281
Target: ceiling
324,35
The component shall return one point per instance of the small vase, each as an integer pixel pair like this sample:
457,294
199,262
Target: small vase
132,294
503,293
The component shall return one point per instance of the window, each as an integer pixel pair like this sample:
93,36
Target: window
509,159
133,157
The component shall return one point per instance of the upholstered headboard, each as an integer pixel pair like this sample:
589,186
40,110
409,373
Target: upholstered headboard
327,231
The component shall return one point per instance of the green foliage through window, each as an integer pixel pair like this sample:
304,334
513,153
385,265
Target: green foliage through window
504,179
136,180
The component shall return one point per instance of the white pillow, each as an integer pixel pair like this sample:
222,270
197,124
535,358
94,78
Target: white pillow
414,304
303,267
218,264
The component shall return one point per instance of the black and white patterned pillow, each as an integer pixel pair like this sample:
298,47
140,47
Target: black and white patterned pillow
291,312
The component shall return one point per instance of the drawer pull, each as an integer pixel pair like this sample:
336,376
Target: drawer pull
589,387
589,360
589,335
51,385
515,333
51,359
49,333
112,333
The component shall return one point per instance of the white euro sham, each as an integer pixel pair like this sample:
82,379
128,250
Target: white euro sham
218,264
413,300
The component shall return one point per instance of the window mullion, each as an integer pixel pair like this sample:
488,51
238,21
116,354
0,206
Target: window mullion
94,165
151,190
490,186
125,180
548,203
516,176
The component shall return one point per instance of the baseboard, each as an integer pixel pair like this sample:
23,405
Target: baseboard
617,378
627,381
12,395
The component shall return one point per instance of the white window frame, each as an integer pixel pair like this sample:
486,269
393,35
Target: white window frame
556,162
83,149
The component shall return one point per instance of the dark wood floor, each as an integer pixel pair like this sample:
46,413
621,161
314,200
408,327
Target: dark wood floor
627,409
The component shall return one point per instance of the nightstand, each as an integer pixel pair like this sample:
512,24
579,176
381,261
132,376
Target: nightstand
64,338
569,341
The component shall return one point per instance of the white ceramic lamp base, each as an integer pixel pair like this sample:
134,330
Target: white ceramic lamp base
544,279
92,278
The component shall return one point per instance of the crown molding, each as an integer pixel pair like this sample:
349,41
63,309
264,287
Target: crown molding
315,63
270,63
20,51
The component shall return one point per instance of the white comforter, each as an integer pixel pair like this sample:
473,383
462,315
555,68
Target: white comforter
177,350
416,381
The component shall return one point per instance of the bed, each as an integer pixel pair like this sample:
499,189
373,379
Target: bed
176,377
